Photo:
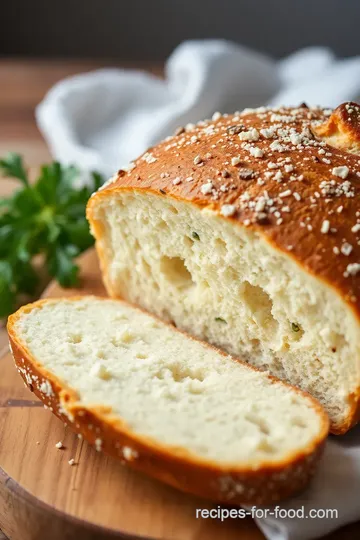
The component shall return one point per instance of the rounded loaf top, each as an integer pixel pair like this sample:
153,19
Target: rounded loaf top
292,174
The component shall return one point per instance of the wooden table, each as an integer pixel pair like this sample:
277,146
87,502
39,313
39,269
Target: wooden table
22,86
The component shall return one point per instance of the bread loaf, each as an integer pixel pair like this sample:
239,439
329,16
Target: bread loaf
166,404
244,231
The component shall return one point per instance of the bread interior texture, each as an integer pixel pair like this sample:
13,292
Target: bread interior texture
166,386
226,284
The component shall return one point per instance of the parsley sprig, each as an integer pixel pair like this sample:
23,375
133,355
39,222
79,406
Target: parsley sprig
45,218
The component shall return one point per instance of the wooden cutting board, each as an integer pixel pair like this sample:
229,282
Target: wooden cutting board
42,497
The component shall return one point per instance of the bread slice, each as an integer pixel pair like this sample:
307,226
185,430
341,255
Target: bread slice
166,404
245,231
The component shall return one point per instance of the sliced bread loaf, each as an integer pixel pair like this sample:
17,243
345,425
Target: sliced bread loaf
167,404
245,231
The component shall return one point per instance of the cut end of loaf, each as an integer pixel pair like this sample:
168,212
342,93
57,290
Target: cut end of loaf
168,404
228,285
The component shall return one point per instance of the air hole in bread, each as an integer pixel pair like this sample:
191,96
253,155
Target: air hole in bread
75,338
260,305
179,373
220,245
146,267
163,224
175,271
265,446
259,422
188,241
299,422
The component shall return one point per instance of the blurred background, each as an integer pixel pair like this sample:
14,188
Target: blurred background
43,41
145,30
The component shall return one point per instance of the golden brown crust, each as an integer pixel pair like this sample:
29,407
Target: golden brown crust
283,179
293,222
175,466
342,129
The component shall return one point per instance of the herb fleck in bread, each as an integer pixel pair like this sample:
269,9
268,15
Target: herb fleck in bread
244,231
168,405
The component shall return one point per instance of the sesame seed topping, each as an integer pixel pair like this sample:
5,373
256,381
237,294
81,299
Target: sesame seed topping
206,188
179,130
216,116
251,135
268,133
246,174
149,158
352,269
285,193
228,210
325,227
256,152
346,249
98,444
341,172
235,130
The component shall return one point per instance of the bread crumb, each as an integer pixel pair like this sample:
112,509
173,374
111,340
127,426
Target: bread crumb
59,445
98,444
71,462
129,454
100,371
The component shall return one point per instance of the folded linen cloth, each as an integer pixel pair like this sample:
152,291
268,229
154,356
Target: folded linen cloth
102,120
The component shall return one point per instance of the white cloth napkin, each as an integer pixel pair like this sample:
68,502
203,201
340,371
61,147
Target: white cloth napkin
336,486
102,120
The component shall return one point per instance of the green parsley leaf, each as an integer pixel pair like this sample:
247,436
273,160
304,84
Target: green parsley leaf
45,219
13,167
